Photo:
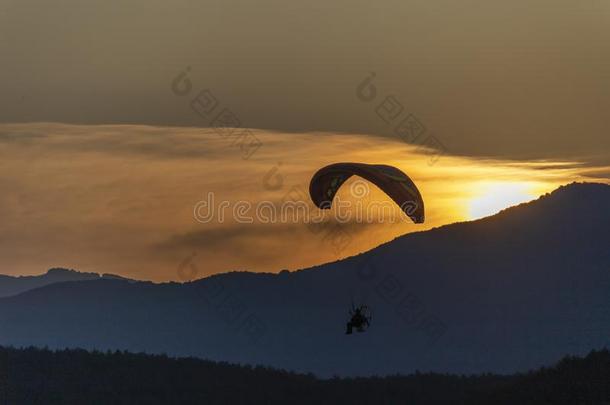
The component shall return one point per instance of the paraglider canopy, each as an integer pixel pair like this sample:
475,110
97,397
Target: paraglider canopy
396,184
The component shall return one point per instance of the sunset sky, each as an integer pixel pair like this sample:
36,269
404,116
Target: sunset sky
121,198
104,157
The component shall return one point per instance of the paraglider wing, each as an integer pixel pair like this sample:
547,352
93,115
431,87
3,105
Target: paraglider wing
396,184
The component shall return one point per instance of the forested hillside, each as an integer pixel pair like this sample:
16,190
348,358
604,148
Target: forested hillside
37,376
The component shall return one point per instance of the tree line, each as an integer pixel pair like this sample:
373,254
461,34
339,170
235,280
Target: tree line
42,376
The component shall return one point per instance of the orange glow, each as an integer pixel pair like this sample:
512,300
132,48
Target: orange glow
491,198
120,198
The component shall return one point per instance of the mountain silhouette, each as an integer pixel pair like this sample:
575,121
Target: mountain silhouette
506,293
11,285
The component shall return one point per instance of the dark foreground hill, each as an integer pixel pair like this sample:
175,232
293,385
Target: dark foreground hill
34,376
507,293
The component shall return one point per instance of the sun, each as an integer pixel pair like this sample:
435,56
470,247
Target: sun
491,198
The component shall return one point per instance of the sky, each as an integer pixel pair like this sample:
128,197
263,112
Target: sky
135,200
106,145
516,79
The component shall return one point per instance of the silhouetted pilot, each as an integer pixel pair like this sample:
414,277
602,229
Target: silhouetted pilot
358,321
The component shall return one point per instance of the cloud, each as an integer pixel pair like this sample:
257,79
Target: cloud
121,198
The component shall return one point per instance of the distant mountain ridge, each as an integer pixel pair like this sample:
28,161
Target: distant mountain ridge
503,294
13,285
